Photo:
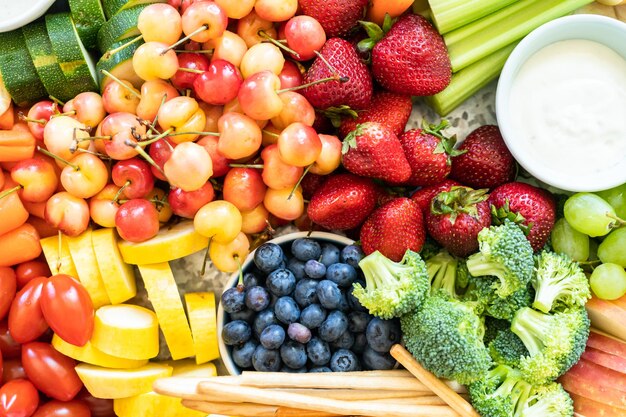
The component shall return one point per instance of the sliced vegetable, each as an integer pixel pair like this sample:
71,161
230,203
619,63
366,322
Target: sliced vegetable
153,404
120,65
16,145
19,245
189,369
12,211
89,17
122,25
120,280
203,322
58,256
90,354
452,14
121,383
17,69
84,258
111,7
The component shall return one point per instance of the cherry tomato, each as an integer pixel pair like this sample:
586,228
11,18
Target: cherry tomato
67,307
13,369
29,270
63,409
8,285
99,407
9,347
26,321
18,398
50,371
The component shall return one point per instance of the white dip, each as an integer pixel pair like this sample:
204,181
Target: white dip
568,107
10,9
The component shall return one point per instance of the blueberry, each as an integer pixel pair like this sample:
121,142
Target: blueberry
357,321
344,306
317,369
257,298
328,294
268,257
251,279
352,255
353,302
293,354
344,360
314,269
341,274
345,341
305,292
281,282
266,360
335,324
312,316
330,254
299,333
360,343
272,336
262,320
236,332
305,249
297,268
234,300
377,361
242,355
289,370
286,310
246,315
318,351
382,334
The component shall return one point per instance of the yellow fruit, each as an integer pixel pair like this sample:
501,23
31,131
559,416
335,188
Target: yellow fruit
187,368
163,294
170,243
58,256
86,264
153,404
120,282
121,383
91,355
126,331
201,311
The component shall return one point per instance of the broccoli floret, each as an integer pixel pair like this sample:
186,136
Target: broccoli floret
481,290
500,393
446,337
507,348
548,401
392,288
505,253
442,271
554,341
559,283
462,274
493,326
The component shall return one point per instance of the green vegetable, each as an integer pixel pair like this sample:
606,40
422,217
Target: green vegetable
500,393
482,291
122,25
392,288
559,282
506,253
548,401
89,17
507,348
442,272
451,14
446,337
554,341
17,70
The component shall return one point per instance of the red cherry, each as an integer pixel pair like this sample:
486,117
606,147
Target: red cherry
219,84
135,176
160,151
137,220
187,203
221,164
184,79
290,76
305,35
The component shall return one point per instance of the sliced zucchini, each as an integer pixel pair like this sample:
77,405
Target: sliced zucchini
120,64
75,61
113,6
122,25
17,69
88,17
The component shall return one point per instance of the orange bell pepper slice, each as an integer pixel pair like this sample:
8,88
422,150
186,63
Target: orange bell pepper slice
7,119
19,245
12,211
16,144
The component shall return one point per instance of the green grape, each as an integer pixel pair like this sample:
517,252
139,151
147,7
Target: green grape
589,214
616,197
565,239
613,248
608,281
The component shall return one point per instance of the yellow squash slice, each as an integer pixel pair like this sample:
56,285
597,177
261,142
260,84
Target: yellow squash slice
203,321
153,404
58,256
119,279
121,383
84,259
93,356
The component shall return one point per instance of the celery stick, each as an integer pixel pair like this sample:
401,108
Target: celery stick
467,82
449,15
507,30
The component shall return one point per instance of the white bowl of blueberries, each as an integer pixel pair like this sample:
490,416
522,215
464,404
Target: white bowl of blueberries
292,310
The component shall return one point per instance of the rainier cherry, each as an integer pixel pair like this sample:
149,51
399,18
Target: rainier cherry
160,151
189,166
220,162
299,145
244,188
260,57
296,108
154,60
219,84
251,25
103,208
330,157
290,76
229,47
258,96
137,220
276,10
255,220
182,114
88,108
37,177
158,199
276,173
191,61
304,35
152,95
60,135
218,220
285,204
187,203
204,20
160,23
121,127
85,176
67,213
212,114
120,97
228,256
38,115
240,136
236,9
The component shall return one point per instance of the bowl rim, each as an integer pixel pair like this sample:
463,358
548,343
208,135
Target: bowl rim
27,15
533,42
224,350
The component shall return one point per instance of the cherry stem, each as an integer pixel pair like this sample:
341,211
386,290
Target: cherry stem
144,154
323,80
57,101
20,115
58,158
59,251
76,141
10,191
156,138
206,258
197,51
122,83
195,71
182,40
193,132
267,132
98,154
119,192
111,52
295,187
257,166
67,113
240,286
279,44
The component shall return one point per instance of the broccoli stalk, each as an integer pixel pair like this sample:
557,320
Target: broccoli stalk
548,401
442,271
392,289
559,282
500,393
505,253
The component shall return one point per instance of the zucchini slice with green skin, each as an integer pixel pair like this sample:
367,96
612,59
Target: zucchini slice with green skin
74,59
111,7
120,64
17,69
89,18
123,25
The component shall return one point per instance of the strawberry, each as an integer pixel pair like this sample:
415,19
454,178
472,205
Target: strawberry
393,228
390,109
310,183
487,161
429,154
372,150
411,58
425,195
337,17
353,87
456,217
343,202
532,208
